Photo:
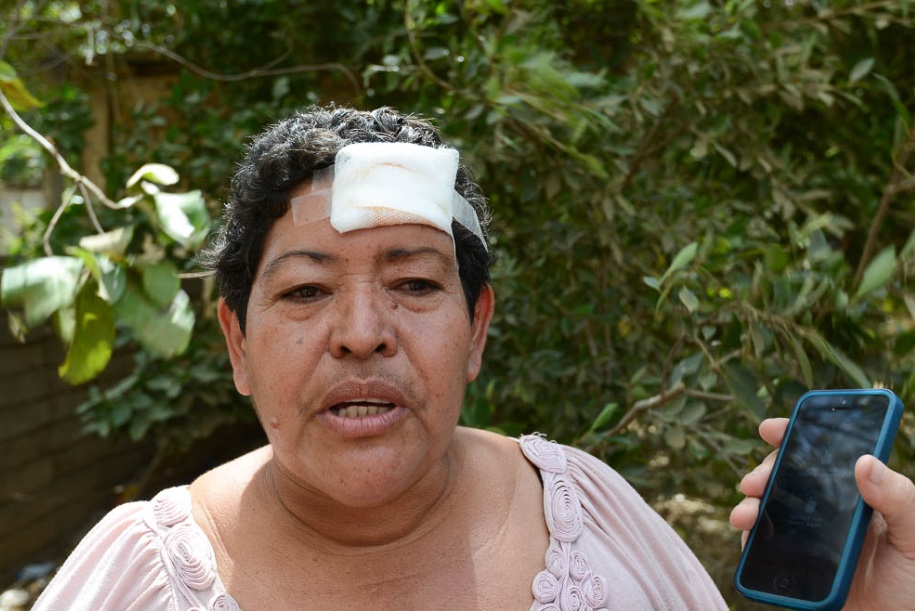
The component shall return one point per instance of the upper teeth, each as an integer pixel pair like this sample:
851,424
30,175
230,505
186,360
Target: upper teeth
363,407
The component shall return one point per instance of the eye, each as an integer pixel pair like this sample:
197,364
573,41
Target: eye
306,293
419,286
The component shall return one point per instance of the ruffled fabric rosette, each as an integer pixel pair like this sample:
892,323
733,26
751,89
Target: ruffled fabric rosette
568,582
187,553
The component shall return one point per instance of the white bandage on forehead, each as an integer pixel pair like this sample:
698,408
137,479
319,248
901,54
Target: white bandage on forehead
374,184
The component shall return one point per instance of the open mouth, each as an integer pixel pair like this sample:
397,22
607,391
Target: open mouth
358,408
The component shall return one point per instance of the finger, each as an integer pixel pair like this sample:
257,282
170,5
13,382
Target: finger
772,430
754,482
893,495
743,516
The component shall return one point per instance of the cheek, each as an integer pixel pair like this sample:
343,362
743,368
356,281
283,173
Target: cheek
281,352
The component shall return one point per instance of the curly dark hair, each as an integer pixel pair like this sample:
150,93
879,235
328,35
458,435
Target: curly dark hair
288,153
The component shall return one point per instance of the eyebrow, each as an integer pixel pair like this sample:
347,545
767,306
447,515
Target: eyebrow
318,257
399,254
392,256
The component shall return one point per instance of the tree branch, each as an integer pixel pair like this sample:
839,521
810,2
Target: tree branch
720,452
648,142
14,25
899,181
46,237
266,70
709,396
645,404
90,209
47,145
409,25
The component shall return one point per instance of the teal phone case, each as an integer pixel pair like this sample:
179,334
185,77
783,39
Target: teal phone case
862,513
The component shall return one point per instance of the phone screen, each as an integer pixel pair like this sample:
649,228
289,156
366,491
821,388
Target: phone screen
805,522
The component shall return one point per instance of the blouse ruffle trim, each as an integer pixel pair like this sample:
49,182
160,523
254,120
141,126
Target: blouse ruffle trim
186,552
568,583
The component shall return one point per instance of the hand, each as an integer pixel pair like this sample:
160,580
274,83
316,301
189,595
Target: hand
885,576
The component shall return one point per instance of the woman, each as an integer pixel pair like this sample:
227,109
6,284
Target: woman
355,301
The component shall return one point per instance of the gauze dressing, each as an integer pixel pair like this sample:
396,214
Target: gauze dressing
374,184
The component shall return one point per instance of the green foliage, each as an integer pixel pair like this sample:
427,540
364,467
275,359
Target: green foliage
178,400
683,197
14,89
128,275
701,209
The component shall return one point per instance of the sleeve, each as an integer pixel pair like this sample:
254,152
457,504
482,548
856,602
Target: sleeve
649,565
116,567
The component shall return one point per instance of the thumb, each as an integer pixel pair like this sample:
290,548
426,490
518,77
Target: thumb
893,495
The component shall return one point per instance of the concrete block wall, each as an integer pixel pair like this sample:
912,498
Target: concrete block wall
55,481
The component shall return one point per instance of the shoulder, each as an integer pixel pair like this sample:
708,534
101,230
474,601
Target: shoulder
122,543
600,526
487,444
144,556
598,487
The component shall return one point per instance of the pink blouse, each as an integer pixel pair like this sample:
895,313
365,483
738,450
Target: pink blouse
608,550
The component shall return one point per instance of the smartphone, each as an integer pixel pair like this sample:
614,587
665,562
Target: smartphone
802,552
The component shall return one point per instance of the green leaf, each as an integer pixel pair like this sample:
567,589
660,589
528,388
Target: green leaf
801,356
689,299
280,88
7,73
604,417
909,247
693,413
161,283
905,343
861,69
15,91
138,428
878,272
121,413
739,446
743,386
114,281
434,53
835,356
165,333
64,322
776,259
726,153
93,337
158,173
675,438
113,243
111,277
681,260
497,6
891,90
183,216
40,287
698,11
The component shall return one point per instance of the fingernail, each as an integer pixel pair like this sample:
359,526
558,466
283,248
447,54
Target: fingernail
878,472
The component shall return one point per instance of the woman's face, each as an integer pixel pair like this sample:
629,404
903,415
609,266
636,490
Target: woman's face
357,352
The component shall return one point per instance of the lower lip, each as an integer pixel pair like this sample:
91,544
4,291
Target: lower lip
363,426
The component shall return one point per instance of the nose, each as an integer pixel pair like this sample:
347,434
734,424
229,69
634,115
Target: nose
363,326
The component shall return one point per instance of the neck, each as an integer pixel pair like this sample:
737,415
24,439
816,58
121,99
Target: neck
312,515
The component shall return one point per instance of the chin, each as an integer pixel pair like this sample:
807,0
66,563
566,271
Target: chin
381,476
